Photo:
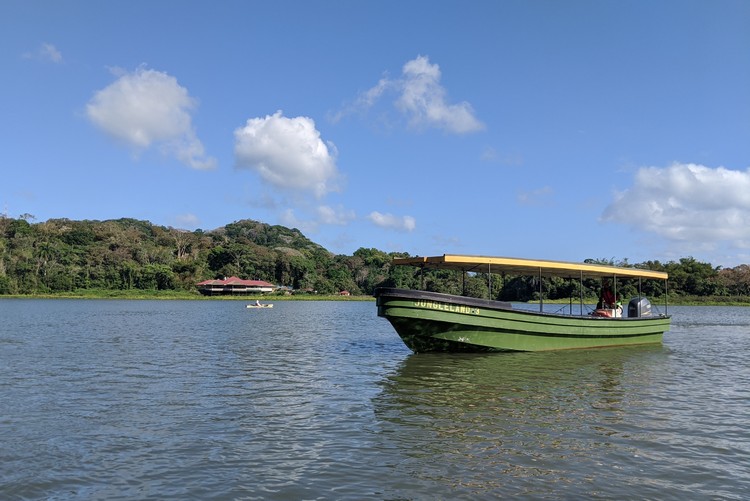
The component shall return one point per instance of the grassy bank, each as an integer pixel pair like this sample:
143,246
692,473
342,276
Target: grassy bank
194,295
183,295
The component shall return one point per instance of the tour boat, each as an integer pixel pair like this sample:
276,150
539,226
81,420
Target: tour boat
430,321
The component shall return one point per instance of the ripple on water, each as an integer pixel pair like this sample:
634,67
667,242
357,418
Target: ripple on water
209,400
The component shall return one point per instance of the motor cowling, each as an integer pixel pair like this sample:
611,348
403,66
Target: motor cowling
639,307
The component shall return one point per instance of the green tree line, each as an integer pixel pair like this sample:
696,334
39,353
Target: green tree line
62,255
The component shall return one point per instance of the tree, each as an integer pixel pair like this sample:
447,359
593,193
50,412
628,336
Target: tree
736,281
61,254
692,277
218,258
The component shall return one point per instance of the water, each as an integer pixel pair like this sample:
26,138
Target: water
207,400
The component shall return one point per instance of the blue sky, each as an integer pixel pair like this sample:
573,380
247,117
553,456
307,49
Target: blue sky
543,129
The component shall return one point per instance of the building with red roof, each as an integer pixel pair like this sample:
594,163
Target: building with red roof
234,285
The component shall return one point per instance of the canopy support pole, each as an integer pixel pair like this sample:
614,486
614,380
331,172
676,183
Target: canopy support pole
580,292
614,289
570,301
489,280
541,296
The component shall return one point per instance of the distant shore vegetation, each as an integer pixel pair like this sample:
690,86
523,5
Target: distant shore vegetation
134,259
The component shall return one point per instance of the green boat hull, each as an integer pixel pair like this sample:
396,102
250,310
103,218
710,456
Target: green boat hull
428,321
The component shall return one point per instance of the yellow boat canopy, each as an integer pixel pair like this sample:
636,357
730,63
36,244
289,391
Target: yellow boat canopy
516,266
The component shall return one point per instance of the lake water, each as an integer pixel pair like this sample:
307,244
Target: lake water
208,400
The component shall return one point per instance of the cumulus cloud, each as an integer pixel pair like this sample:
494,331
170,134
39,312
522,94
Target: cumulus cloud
287,153
402,223
148,108
687,203
46,52
421,98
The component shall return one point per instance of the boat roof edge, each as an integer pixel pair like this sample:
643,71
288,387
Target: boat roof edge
523,266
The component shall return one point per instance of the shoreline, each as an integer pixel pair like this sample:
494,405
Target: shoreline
182,296
195,296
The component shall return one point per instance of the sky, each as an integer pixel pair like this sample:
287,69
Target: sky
541,129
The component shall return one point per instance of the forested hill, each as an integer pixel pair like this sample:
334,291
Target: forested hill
64,255
61,255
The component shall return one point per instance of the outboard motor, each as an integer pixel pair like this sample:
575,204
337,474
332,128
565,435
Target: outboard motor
639,307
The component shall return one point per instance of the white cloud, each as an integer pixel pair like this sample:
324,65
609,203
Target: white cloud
402,223
45,52
288,153
322,215
149,108
49,52
687,203
365,100
338,216
422,99
290,220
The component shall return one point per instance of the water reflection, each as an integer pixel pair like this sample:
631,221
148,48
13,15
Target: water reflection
496,421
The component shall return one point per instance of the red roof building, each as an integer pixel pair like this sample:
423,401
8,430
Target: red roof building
234,285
